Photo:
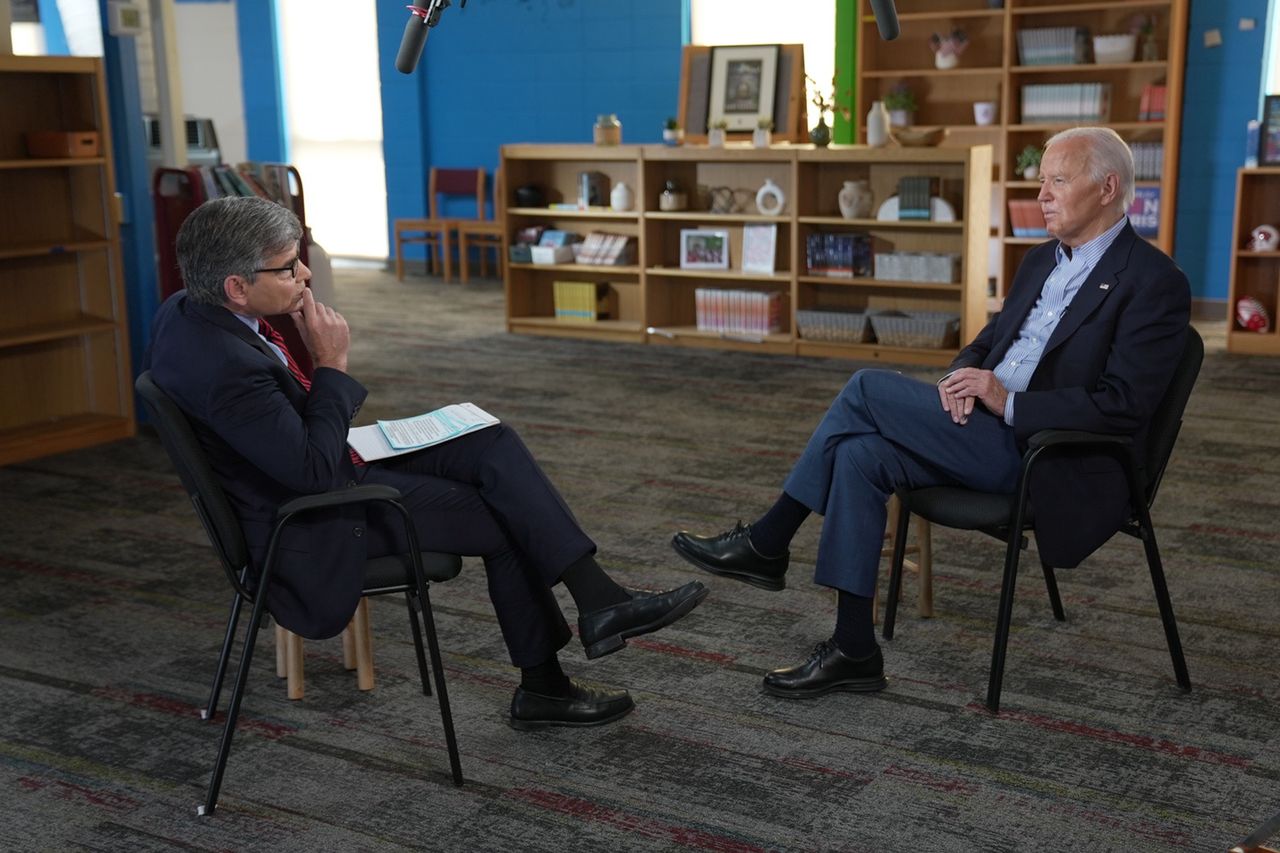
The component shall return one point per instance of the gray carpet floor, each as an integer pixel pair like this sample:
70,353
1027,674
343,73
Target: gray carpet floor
114,608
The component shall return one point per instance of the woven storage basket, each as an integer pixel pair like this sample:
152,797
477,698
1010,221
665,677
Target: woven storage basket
842,326
922,329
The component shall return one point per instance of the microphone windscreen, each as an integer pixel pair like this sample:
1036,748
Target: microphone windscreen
886,18
411,43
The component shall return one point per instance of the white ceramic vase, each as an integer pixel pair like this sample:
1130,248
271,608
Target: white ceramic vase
622,198
877,125
855,200
761,137
715,137
770,199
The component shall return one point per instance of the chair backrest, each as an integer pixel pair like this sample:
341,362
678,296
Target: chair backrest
456,182
202,485
1166,421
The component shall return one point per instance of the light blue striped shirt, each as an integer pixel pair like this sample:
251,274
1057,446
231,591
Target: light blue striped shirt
252,323
1023,356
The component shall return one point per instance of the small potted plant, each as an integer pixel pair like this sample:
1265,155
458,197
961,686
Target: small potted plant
1028,164
672,134
716,133
947,48
901,104
761,136
825,101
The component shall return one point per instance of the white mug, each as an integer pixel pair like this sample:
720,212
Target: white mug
984,112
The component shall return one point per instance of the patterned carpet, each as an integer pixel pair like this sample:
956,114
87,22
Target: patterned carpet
114,608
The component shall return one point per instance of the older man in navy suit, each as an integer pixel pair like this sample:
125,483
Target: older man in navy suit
1088,339
273,433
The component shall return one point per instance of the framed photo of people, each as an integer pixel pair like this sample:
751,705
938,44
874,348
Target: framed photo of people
1269,135
704,249
743,85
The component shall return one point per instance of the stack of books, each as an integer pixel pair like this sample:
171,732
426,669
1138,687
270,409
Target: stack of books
915,193
606,249
838,254
582,301
1026,218
1148,160
1053,46
1151,104
1065,102
738,312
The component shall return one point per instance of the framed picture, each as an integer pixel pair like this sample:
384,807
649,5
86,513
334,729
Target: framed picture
759,247
743,83
1269,137
704,250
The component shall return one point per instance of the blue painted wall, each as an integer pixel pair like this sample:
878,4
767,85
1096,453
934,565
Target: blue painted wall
503,71
1223,86
262,81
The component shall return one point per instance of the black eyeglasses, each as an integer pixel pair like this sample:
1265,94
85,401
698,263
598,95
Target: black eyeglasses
291,269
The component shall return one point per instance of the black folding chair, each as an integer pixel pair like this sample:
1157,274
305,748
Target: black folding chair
409,573
1006,517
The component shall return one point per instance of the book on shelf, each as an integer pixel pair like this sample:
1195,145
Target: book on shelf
1144,213
838,254
1148,160
1053,46
604,249
394,438
915,193
1151,103
759,248
1026,218
583,301
1065,102
738,312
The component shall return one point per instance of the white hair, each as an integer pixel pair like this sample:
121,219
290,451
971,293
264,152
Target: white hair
1108,154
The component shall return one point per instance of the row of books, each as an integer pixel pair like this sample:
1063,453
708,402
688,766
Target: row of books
1053,46
582,301
1066,102
265,180
600,247
1152,102
932,267
737,312
1148,160
540,245
1026,219
915,194
838,254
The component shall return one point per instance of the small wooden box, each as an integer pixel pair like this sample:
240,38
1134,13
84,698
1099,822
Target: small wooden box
60,144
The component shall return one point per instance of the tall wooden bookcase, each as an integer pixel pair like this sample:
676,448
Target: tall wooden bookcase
989,70
64,351
1255,273
655,296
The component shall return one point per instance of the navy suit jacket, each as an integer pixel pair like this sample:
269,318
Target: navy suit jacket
268,441
1104,369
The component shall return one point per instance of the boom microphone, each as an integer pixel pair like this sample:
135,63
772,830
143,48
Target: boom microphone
421,20
886,18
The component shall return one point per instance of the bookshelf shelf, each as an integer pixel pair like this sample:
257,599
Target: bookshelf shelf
657,298
1255,274
69,163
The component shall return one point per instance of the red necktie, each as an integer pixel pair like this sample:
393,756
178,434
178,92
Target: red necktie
278,339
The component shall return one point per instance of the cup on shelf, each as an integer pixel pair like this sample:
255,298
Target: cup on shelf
984,112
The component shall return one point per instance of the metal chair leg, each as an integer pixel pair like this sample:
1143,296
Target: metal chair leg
895,571
1003,619
220,671
423,671
1055,600
442,694
233,710
1162,599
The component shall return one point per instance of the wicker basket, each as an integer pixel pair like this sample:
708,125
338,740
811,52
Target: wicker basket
920,329
841,326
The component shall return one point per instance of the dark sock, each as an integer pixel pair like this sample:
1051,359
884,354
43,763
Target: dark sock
545,679
771,535
590,587
855,635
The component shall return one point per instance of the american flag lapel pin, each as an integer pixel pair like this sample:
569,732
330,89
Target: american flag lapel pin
1104,286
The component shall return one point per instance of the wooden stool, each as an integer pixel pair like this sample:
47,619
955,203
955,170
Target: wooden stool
922,565
357,653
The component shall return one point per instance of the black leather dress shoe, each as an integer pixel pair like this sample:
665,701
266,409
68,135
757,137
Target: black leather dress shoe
586,705
828,669
732,555
606,630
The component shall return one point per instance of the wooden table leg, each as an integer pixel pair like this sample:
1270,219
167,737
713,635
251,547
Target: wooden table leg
293,653
282,661
363,635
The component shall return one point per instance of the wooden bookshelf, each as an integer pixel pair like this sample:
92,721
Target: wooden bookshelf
655,296
64,353
989,70
1255,273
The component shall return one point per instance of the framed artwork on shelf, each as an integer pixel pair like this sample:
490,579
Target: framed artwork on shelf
704,249
743,84
759,247
1269,138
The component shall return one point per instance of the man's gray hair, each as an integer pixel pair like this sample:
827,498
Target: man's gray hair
231,236
1108,155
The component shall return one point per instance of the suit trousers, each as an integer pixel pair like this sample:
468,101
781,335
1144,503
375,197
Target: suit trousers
484,495
883,432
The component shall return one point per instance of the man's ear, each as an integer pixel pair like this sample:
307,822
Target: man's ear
236,289
1110,189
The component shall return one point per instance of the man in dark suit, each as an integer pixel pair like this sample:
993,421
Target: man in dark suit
1088,339
272,433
